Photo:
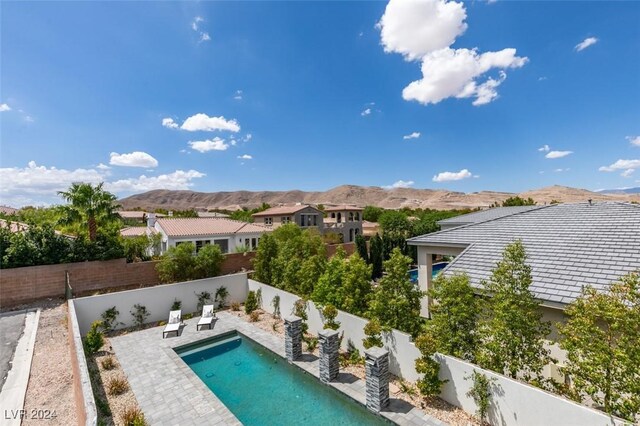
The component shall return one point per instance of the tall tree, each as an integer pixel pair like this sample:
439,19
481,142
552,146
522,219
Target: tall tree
90,206
602,337
512,329
329,287
361,247
454,316
265,255
376,257
396,300
356,286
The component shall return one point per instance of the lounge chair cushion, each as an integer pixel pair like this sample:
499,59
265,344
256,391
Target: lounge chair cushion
174,319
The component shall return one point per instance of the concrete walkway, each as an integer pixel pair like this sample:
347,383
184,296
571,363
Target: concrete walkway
17,339
170,393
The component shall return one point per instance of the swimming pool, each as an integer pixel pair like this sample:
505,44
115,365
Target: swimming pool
437,267
262,388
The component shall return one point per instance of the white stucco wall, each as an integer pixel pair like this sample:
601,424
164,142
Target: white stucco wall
156,299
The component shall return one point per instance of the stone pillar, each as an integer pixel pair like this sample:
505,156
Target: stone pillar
377,378
329,363
293,337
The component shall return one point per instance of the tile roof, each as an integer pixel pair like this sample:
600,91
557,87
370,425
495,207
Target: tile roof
135,214
135,231
568,246
13,226
8,210
282,210
343,207
484,215
198,226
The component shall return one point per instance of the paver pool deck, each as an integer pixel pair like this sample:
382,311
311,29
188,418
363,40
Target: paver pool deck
170,393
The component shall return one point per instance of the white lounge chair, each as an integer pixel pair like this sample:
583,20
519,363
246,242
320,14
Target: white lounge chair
173,325
208,315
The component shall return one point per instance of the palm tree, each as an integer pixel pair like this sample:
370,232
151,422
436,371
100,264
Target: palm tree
89,205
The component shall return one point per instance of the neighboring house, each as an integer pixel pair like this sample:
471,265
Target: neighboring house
135,215
345,220
136,231
302,215
370,229
482,216
16,227
226,233
568,246
212,214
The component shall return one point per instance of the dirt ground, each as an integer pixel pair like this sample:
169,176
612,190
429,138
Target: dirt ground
50,388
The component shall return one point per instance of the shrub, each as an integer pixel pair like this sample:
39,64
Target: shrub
480,393
429,384
312,343
208,262
300,310
251,304
140,314
133,416
235,306
94,339
203,298
330,313
109,319
275,302
176,305
259,297
373,331
117,386
108,363
187,316
254,316
221,296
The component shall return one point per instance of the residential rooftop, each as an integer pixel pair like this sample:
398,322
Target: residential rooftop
343,207
136,231
185,227
282,210
568,246
484,215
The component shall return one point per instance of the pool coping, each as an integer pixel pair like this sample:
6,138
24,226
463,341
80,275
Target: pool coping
167,398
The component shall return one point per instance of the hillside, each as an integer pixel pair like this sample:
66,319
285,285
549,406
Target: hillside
358,195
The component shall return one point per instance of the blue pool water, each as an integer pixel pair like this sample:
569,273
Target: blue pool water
261,388
437,267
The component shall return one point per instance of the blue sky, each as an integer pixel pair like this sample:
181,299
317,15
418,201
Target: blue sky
318,94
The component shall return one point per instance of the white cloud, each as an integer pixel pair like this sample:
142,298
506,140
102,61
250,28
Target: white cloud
196,21
450,176
627,173
425,30
177,180
215,144
366,112
417,28
204,36
589,41
414,135
195,26
245,157
169,123
453,72
248,137
238,95
624,165
103,167
634,140
557,154
134,159
561,170
400,184
544,148
4,107
33,182
28,119
202,122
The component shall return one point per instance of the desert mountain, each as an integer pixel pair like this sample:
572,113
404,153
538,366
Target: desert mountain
358,195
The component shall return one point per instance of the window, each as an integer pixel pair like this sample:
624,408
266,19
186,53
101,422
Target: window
308,220
350,216
268,221
201,243
254,243
357,217
223,244
286,219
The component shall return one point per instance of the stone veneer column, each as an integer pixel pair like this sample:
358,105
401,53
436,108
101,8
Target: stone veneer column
377,378
329,363
293,337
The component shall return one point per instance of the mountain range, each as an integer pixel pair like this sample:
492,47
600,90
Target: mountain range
358,195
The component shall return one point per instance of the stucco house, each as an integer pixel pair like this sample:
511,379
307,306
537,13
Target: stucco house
568,246
345,220
303,215
226,233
